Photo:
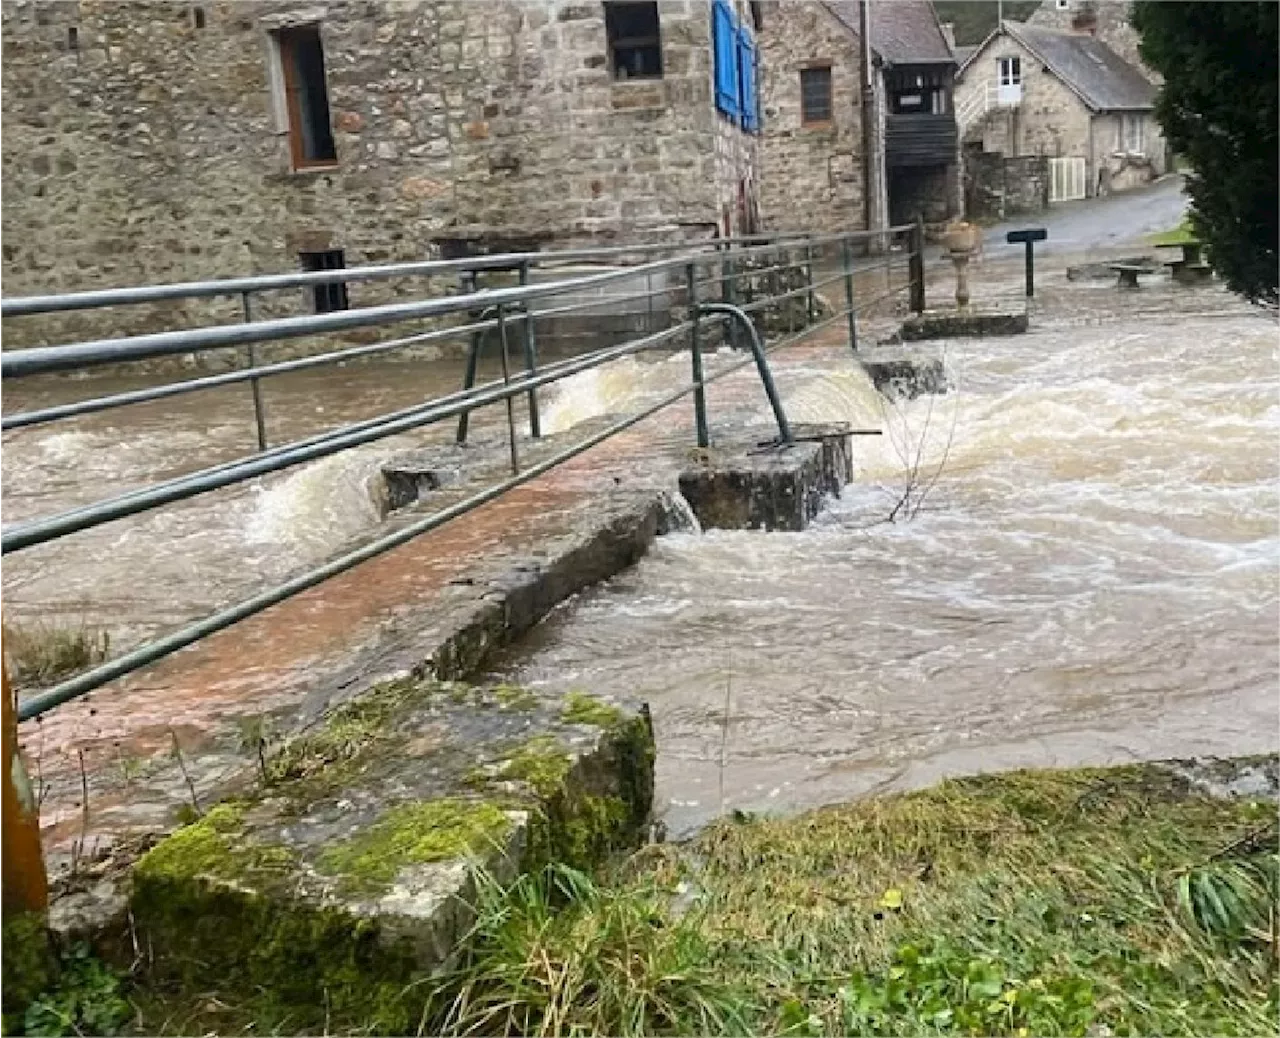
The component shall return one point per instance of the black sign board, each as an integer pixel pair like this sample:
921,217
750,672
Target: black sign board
1028,237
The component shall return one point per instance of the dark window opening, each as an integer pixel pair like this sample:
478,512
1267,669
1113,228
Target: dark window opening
332,296
635,41
197,17
306,97
73,37
757,15
815,95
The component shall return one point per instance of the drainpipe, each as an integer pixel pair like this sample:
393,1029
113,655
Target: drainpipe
870,178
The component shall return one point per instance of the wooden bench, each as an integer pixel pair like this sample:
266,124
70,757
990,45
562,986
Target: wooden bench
1129,273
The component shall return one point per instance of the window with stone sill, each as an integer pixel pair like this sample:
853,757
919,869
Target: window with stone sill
306,97
815,95
635,40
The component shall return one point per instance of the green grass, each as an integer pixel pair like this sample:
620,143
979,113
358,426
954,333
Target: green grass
1033,903
1183,234
1093,901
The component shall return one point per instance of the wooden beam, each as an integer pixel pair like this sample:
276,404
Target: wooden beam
25,883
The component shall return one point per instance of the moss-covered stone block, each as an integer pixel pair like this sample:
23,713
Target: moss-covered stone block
29,963
345,882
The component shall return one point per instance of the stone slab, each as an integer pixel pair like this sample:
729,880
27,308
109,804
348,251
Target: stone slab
754,483
905,372
951,324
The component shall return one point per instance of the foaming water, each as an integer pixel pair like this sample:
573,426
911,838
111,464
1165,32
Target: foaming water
621,385
1084,571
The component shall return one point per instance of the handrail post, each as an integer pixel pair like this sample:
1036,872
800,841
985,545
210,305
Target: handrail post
25,882
808,277
695,351
530,357
916,262
255,384
727,288
506,381
467,284
847,259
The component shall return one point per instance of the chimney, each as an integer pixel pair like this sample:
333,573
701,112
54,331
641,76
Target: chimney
1085,18
949,34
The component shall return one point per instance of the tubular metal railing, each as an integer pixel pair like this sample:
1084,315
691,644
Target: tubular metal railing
747,283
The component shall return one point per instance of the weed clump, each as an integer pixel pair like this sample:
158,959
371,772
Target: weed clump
43,655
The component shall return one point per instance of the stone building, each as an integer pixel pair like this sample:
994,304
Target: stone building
172,140
1066,96
878,120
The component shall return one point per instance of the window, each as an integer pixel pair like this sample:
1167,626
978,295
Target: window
1062,5
1010,71
1131,140
197,17
815,95
332,296
635,42
306,97
757,15
724,41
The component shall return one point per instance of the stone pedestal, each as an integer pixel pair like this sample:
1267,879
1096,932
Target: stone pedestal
752,484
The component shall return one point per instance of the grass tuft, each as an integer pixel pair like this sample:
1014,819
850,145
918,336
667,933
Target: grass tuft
41,655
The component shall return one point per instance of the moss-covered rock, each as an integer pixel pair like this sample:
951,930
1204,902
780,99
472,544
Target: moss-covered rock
29,963
414,834
345,882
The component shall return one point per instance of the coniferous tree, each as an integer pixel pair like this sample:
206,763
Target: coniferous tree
1218,107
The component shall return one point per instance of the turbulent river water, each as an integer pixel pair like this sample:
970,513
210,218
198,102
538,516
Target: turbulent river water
1090,577
1081,566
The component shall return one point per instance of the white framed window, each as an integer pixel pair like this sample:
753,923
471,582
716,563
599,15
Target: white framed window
1010,71
1063,5
1131,135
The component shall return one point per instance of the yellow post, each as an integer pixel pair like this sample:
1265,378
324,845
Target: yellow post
25,884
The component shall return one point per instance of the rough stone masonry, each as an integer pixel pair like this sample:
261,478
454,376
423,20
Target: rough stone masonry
150,141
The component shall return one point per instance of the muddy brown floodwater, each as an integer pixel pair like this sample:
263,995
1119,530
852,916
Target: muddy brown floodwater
1092,578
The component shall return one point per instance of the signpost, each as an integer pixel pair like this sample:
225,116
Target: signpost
1028,238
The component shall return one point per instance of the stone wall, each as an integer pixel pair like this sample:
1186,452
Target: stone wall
812,177
1118,170
146,144
997,187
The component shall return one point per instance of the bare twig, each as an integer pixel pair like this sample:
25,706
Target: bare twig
182,766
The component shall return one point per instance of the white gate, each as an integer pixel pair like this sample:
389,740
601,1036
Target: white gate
1066,179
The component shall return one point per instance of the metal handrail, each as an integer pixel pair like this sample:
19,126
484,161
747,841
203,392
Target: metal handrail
96,298
42,359
275,459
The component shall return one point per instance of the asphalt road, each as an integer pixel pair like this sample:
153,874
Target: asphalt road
1099,223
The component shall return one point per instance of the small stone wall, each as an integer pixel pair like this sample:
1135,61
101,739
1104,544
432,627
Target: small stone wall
996,187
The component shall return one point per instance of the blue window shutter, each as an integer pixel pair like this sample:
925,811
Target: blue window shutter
747,74
724,38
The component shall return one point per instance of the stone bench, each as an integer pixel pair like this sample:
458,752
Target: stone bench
1129,273
1188,272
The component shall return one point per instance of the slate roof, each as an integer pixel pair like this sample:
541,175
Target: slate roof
963,54
903,32
1103,80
